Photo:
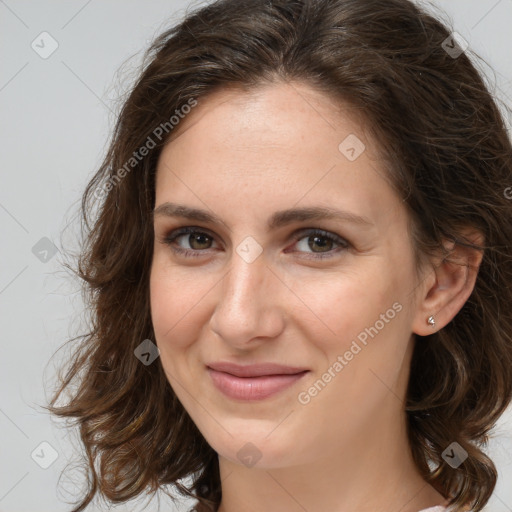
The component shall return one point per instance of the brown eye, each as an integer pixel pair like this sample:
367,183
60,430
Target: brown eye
198,241
315,242
321,244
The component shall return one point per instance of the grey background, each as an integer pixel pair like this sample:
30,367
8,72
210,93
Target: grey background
57,114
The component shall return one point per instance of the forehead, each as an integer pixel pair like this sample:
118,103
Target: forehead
276,115
285,141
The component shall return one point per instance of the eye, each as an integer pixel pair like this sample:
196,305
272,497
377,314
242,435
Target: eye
194,237
200,241
322,239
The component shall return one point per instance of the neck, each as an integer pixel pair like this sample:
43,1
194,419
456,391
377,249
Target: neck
374,471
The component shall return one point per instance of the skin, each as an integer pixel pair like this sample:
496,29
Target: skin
242,156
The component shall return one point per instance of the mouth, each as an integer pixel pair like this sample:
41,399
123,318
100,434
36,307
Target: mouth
253,382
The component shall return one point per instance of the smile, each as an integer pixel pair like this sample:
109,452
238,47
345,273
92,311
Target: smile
253,387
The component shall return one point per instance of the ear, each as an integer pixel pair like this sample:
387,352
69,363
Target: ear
448,283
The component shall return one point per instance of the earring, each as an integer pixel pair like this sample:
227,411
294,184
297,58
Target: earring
431,321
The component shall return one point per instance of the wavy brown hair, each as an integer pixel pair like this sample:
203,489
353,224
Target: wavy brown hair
445,145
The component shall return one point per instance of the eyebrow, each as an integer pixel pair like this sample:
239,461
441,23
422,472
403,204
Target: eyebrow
277,220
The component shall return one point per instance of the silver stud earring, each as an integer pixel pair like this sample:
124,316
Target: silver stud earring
431,321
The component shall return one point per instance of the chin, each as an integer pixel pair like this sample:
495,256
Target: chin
254,444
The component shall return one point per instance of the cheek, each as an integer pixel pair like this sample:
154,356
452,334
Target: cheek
175,305
339,306
363,335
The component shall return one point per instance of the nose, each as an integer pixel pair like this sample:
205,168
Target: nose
248,309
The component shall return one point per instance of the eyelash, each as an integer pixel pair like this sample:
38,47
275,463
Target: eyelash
173,235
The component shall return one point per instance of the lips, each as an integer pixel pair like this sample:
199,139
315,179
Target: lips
255,370
253,382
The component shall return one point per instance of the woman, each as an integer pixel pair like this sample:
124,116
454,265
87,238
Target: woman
299,272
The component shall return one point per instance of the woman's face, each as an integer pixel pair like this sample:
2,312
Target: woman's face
266,280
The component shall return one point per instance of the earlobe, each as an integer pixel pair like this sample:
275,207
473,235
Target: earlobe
450,285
